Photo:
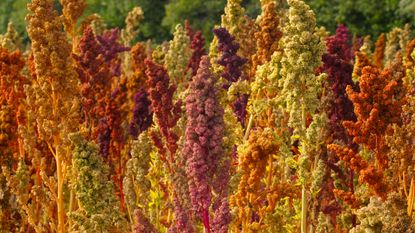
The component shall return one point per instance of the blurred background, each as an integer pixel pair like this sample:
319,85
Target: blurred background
362,17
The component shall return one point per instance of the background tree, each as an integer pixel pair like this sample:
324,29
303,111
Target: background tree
364,16
202,15
161,16
114,13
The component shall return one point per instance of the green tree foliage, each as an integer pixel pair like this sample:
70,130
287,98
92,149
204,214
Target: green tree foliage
252,7
202,14
161,16
364,16
114,12
15,11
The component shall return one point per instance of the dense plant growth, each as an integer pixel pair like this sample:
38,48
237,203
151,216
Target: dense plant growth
279,126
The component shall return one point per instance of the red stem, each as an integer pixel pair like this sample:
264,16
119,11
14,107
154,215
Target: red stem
206,220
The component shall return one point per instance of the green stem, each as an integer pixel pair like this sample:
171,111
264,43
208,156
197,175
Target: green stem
303,191
71,205
303,210
131,219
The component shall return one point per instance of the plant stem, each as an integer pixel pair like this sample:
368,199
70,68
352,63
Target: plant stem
303,210
303,191
130,218
71,204
61,211
411,197
248,127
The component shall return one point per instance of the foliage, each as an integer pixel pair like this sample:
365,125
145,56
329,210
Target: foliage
363,17
202,15
282,127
